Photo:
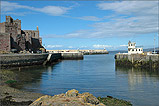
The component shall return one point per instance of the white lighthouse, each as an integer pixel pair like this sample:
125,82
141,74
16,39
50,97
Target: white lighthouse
132,48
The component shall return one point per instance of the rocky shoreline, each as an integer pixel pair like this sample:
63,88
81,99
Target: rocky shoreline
74,98
10,96
13,97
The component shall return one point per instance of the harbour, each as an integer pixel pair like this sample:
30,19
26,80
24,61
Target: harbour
79,53
96,74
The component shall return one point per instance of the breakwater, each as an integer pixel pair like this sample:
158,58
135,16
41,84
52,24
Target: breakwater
85,52
137,60
72,56
14,60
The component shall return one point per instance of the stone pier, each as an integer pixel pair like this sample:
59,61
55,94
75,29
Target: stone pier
137,60
12,60
72,56
17,60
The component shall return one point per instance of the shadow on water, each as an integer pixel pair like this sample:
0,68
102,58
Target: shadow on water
23,75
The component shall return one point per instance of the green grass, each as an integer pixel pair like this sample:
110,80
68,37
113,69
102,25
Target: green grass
11,82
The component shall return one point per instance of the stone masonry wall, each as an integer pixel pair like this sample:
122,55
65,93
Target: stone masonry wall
137,57
2,27
10,60
5,44
138,60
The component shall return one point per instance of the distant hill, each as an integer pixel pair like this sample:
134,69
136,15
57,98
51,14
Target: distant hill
125,51
150,49
117,51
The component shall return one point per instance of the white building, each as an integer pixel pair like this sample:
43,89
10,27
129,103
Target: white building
132,48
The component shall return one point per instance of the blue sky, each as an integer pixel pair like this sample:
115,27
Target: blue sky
88,24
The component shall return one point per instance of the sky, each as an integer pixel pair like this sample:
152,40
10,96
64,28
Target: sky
88,24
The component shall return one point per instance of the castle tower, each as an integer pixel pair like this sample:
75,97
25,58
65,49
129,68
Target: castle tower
37,28
9,19
18,22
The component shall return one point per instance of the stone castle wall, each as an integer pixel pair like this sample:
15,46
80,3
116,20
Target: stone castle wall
20,40
2,27
5,42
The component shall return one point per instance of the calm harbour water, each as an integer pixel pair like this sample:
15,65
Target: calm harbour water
96,74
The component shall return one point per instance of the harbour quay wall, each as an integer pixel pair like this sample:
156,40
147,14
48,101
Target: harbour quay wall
94,52
11,60
17,60
137,60
72,56
52,57
85,52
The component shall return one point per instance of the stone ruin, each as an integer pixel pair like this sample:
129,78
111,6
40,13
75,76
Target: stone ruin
14,39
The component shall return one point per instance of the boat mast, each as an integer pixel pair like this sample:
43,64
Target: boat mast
154,44
158,41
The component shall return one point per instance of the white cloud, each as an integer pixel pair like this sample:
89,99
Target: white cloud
90,18
17,13
54,46
70,47
51,10
83,46
123,45
101,46
141,17
131,7
129,18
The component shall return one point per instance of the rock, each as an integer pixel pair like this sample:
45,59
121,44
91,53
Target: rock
70,98
73,98
72,93
89,98
40,101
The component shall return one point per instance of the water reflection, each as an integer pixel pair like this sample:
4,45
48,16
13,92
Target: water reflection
25,75
136,75
143,84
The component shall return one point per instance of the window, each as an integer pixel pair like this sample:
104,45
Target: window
136,49
132,49
139,49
